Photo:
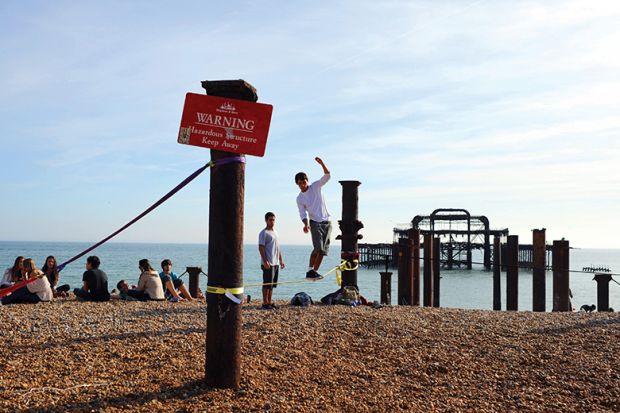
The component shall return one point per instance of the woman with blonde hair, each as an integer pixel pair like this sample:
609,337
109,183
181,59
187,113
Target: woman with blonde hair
149,285
35,291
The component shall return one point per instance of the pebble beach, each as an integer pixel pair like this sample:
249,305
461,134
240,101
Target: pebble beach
146,357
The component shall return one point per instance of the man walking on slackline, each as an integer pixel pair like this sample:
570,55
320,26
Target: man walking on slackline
313,212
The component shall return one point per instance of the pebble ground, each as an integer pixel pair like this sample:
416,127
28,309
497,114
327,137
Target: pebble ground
147,357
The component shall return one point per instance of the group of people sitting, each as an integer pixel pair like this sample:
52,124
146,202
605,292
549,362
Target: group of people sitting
44,283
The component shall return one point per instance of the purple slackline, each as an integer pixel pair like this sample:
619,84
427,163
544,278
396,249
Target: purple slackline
149,209
231,159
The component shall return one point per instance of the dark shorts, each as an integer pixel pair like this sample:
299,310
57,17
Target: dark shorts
321,232
270,275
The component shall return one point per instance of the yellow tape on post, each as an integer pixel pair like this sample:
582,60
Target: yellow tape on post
228,292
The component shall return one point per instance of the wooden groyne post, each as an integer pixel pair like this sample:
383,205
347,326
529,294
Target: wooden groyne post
436,270
602,291
405,271
512,273
194,280
414,234
560,264
428,270
349,227
386,283
497,273
222,361
539,270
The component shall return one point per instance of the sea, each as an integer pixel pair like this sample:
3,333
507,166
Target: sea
461,288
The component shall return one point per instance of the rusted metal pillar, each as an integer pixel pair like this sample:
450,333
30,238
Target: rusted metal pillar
414,234
512,273
539,270
428,270
349,226
602,291
194,280
405,271
497,274
560,263
436,270
222,361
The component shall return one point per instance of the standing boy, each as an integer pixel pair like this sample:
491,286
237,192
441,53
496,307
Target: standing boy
313,212
271,259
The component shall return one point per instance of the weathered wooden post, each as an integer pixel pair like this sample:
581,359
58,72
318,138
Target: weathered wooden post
428,270
194,280
497,274
436,270
222,362
560,264
349,226
602,291
512,273
405,269
539,270
414,234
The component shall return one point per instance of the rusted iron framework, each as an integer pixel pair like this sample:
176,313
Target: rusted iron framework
459,232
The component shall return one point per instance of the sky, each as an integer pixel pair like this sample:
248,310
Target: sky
507,109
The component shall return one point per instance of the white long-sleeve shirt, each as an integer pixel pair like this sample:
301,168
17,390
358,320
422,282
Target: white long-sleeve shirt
312,201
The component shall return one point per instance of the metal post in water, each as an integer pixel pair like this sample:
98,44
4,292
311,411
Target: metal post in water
436,270
223,349
405,270
194,280
428,270
349,226
560,264
602,291
539,270
497,274
512,273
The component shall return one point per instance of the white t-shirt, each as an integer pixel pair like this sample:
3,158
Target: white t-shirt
269,239
42,288
312,201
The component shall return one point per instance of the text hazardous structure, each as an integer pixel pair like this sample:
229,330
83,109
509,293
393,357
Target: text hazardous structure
224,124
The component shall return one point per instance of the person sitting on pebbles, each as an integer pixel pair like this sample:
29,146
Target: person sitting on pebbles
34,292
50,268
171,283
14,273
149,285
95,282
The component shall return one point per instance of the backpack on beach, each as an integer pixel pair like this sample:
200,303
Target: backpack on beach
301,299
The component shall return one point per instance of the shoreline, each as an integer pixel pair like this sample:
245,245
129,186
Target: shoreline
130,356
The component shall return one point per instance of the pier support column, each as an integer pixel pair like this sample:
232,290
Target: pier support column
602,291
497,274
539,270
512,273
428,270
224,319
386,287
405,272
194,280
436,270
349,226
560,263
414,234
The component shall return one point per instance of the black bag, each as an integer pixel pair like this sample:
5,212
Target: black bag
301,299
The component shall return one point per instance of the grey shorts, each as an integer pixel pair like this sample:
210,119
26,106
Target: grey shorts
321,232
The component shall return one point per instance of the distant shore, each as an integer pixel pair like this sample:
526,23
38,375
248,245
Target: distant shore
131,356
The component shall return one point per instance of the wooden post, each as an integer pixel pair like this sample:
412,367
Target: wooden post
414,234
560,263
349,226
539,270
386,287
224,321
428,270
436,270
512,273
497,274
602,291
405,281
194,280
